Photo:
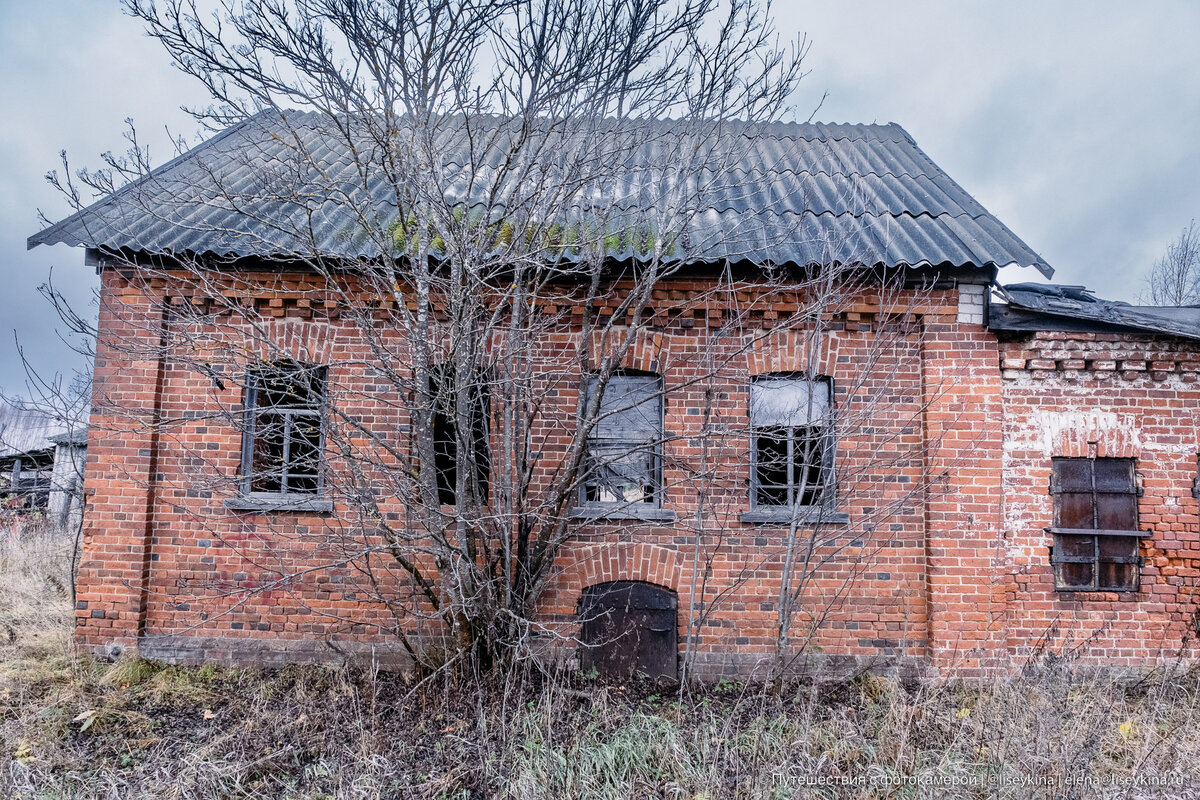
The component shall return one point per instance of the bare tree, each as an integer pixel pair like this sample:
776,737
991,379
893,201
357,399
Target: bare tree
1174,280
490,208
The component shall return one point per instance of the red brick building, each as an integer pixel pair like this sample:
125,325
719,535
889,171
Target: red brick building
989,482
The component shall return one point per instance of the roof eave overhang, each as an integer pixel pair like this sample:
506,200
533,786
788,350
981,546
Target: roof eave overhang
102,256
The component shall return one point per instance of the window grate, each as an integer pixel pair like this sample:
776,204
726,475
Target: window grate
284,438
791,445
1096,540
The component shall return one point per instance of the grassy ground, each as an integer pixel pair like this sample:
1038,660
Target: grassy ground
72,727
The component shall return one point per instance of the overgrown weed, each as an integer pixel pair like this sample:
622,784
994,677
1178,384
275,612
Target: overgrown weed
75,727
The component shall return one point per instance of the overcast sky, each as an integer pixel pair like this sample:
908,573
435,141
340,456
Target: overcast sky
1076,123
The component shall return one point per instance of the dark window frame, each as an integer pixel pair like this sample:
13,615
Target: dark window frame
824,510
445,436
654,509
1112,553
253,411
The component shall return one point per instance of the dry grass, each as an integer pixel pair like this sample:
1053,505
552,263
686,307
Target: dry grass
71,727
35,608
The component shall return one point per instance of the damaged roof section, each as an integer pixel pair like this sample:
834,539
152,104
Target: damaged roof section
1054,307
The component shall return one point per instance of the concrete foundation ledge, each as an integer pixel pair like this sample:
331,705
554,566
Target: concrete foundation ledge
819,667
706,667
245,652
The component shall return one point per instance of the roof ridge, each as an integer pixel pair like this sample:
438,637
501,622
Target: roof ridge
813,125
291,112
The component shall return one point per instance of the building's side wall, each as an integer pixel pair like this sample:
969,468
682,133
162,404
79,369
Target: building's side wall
1116,396
168,567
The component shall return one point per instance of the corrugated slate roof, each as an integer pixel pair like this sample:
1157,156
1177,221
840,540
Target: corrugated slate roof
796,193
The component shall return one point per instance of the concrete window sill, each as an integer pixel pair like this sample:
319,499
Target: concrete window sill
284,503
600,513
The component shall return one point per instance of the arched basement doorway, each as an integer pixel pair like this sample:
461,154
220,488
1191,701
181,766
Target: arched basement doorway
628,628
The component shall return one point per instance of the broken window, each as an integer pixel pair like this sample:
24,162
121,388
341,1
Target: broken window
623,465
284,432
791,446
446,439
1095,525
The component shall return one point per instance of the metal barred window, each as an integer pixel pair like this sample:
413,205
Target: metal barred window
624,451
284,435
791,447
1096,536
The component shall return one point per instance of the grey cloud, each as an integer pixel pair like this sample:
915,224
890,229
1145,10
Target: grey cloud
1074,122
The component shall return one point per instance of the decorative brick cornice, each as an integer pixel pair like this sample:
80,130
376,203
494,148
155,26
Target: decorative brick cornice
1083,356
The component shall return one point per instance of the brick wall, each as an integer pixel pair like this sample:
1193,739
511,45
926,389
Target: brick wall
121,464
965,406
942,467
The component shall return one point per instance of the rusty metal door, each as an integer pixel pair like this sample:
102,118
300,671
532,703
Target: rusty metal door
629,627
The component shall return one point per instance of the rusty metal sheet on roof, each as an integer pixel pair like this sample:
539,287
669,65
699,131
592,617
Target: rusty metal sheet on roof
278,186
